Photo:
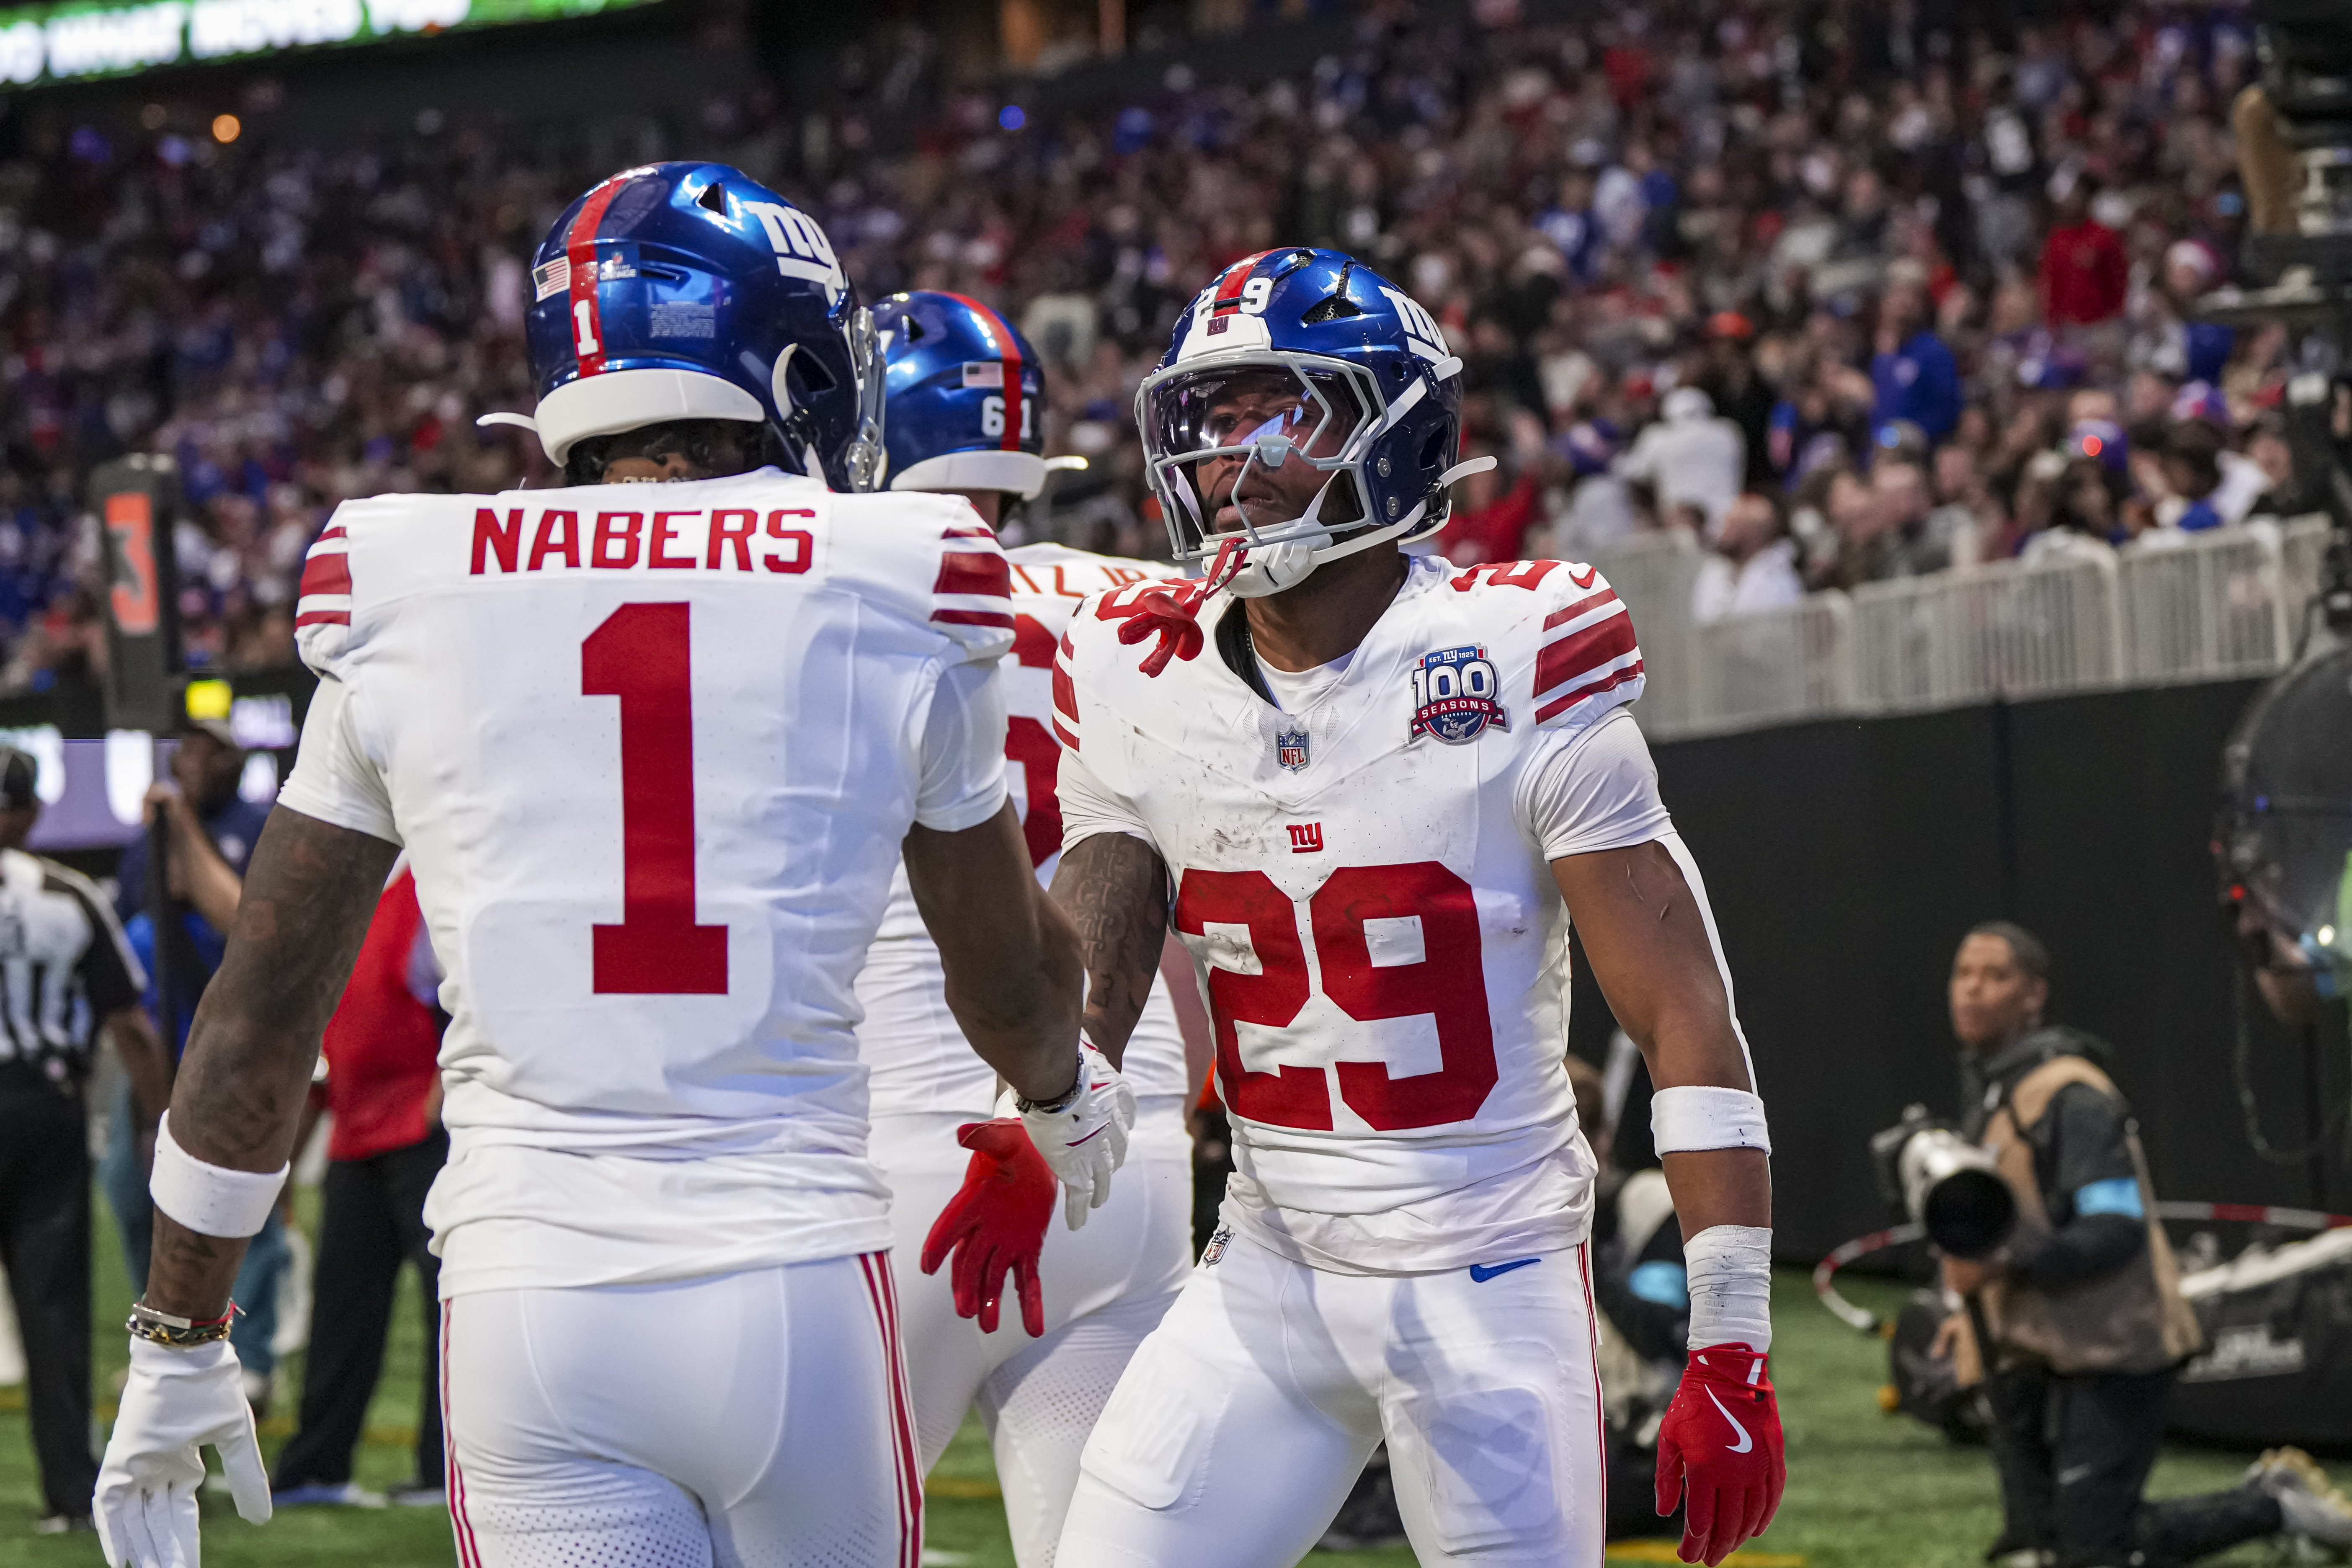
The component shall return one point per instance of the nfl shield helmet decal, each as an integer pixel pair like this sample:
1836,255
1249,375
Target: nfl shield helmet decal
1290,748
1453,696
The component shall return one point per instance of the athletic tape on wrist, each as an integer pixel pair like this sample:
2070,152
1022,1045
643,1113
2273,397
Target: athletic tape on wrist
1729,1276
211,1200
1696,1117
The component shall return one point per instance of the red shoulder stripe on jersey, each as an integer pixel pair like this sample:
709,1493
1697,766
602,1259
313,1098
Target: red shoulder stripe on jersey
983,532
975,619
1589,603
322,619
332,530
579,251
1576,655
1066,697
1566,701
970,572
1008,349
329,572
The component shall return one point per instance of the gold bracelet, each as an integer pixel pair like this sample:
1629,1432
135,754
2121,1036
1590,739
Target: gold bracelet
159,1327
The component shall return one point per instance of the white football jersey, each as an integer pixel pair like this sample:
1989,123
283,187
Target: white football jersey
652,752
917,1059
1366,890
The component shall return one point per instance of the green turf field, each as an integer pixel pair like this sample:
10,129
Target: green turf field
1865,1489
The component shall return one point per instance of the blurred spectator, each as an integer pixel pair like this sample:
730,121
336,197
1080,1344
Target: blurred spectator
2167,338
1914,374
2192,469
1895,530
1753,563
2085,270
1965,504
2211,486
1690,457
211,832
384,1087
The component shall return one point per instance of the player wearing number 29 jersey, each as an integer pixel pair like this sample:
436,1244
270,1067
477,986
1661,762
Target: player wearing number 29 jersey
654,742
1370,905
1379,789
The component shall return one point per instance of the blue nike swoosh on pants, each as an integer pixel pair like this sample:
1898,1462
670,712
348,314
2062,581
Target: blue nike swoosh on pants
1480,1273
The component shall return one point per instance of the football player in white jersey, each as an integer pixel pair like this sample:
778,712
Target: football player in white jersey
1379,789
964,415
653,753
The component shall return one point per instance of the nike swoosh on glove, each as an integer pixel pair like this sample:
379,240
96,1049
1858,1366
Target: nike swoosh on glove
175,1401
1719,1451
1085,1140
995,1223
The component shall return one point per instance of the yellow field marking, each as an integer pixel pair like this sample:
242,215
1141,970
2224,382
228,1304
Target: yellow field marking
959,1487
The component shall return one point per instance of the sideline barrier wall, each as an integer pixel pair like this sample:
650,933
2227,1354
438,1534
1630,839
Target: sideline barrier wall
1845,857
2219,605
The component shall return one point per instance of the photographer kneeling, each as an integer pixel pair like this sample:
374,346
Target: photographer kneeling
2082,1305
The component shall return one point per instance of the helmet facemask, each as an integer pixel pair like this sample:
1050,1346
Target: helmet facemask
1269,450
863,457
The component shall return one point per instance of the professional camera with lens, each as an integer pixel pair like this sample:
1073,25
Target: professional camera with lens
1946,1184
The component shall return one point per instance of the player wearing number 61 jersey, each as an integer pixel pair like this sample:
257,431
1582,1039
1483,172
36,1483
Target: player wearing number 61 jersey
966,1191
1380,788
654,750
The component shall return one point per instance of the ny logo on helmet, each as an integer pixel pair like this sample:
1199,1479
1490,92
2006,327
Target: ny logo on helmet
1421,334
802,250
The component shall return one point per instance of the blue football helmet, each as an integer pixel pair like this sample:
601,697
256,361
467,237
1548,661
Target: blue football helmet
1303,355
692,291
964,409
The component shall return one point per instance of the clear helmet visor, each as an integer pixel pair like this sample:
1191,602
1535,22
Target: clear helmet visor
1264,450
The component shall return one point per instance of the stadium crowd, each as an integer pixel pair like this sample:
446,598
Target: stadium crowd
1854,291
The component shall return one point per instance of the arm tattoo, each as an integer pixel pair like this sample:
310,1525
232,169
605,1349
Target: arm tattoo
1114,888
307,900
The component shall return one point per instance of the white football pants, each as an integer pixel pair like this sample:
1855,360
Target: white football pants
752,1420
1106,1287
1247,1417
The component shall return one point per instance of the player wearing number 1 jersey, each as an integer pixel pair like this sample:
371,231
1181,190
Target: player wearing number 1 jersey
964,388
653,749
1379,789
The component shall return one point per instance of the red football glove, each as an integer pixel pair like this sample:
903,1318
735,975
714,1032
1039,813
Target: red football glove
1719,1451
1174,616
995,1223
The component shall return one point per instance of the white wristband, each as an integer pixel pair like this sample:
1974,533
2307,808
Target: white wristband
211,1200
1705,1116
1729,1276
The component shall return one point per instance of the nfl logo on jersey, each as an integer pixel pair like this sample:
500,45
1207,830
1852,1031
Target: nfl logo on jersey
1453,696
1290,749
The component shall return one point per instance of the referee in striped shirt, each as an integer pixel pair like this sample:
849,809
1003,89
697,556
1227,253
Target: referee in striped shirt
66,971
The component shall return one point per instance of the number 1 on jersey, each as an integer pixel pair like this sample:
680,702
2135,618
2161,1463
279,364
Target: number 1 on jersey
641,654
